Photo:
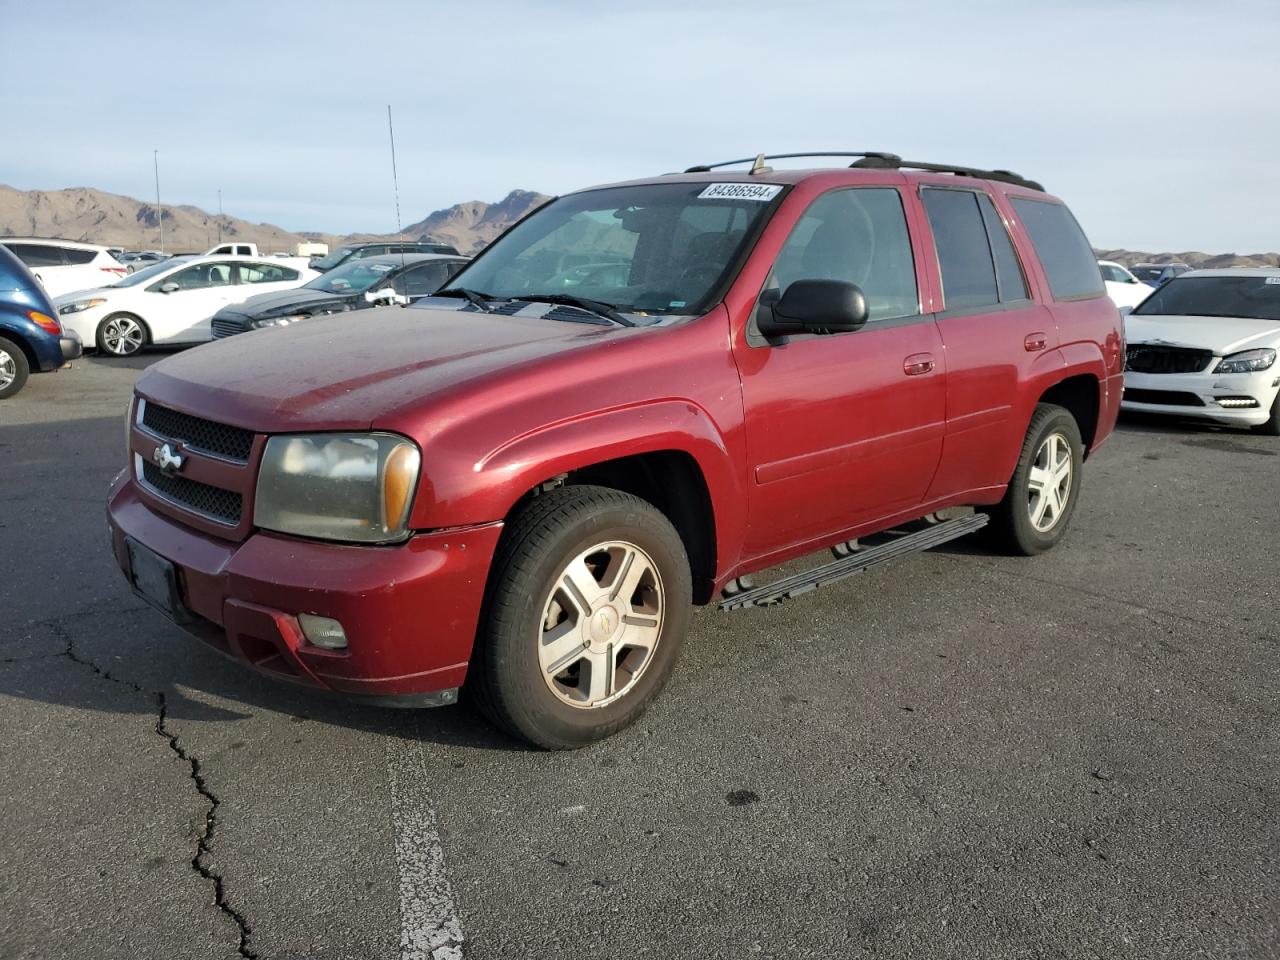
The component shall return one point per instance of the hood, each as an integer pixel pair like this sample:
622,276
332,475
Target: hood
344,372
1222,335
62,299
283,302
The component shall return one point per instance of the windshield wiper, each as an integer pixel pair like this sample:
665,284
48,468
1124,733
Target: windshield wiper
478,300
598,307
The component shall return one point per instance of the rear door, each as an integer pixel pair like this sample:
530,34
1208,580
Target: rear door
993,333
846,427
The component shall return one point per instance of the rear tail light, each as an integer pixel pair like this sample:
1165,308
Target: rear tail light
119,271
45,322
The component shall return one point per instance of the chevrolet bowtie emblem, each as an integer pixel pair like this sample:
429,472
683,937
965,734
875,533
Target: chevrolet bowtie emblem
168,459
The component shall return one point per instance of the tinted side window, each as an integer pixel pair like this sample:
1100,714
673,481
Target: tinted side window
1064,252
1008,271
859,235
964,254
420,281
37,254
265,273
78,256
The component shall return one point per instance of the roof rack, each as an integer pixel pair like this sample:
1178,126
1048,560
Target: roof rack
877,160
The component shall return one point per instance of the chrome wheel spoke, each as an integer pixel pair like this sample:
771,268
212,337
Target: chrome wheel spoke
601,624
1049,482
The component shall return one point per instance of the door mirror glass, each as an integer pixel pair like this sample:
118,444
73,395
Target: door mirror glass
815,306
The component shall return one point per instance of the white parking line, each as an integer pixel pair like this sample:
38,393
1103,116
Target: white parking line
429,924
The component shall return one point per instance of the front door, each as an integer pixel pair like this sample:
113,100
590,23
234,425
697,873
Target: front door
847,427
182,315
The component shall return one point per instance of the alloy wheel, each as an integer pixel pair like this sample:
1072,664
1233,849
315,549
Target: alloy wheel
8,369
600,624
1049,482
122,336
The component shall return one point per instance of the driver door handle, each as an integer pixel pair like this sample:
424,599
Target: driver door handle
918,364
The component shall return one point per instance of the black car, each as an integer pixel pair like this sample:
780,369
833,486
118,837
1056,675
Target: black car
363,251
357,284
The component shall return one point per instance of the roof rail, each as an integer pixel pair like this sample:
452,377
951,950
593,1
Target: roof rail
879,160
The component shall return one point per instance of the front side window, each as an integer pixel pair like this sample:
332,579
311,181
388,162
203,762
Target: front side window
859,236
1255,297
1065,254
662,249
198,277
266,273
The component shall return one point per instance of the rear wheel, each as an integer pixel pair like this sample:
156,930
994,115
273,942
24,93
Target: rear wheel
1272,427
1044,490
122,335
13,368
587,608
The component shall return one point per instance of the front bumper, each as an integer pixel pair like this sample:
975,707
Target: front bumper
1200,395
410,611
71,346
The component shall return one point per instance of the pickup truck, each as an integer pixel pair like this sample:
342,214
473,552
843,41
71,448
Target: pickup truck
636,397
233,250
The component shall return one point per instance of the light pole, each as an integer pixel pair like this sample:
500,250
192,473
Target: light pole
219,215
155,156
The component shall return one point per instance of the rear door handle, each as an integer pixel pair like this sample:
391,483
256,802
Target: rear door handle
918,364
1034,342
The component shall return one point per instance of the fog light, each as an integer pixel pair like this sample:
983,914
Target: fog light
1236,401
323,632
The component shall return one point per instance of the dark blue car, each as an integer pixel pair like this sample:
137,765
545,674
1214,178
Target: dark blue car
31,338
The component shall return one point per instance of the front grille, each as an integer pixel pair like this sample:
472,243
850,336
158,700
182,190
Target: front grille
223,327
222,505
195,433
1168,398
1149,358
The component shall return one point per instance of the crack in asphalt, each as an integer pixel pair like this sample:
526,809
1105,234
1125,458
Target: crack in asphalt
204,841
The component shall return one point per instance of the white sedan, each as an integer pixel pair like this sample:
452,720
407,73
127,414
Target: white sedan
1204,345
172,302
1124,289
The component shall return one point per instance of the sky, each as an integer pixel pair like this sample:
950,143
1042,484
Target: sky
1154,119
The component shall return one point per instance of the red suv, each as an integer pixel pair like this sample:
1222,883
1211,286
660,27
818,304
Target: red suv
636,396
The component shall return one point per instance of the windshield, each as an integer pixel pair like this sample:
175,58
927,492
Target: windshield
147,273
352,277
326,262
658,249
1257,298
1147,273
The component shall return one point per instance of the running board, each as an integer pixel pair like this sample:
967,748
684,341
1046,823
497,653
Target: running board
820,576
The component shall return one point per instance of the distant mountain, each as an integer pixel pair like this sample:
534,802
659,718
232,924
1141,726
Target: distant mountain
82,213
1192,258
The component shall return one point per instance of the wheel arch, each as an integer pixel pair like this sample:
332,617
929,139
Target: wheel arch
1081,396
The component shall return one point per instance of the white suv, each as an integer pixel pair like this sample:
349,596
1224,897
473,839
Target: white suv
64,266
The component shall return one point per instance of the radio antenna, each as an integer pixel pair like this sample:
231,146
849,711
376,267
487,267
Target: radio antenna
395,178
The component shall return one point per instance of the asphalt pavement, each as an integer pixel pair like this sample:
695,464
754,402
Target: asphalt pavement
959,755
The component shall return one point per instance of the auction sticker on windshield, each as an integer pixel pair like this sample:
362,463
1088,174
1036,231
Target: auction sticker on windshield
763,192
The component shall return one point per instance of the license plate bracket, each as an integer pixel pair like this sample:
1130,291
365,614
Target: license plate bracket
155,580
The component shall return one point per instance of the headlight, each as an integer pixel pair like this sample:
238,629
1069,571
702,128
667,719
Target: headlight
278,321
338,486
79,305
1250,361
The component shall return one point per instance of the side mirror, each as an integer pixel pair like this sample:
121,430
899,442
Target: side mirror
815,306
169,287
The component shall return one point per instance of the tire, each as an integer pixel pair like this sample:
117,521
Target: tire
14,368
1027,522
1272,427
121,335
555,662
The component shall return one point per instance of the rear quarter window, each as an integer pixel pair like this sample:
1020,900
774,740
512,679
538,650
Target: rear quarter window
1065,254
78,256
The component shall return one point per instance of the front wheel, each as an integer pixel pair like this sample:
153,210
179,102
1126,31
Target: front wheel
1045,487
587,608
13,368
121,335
